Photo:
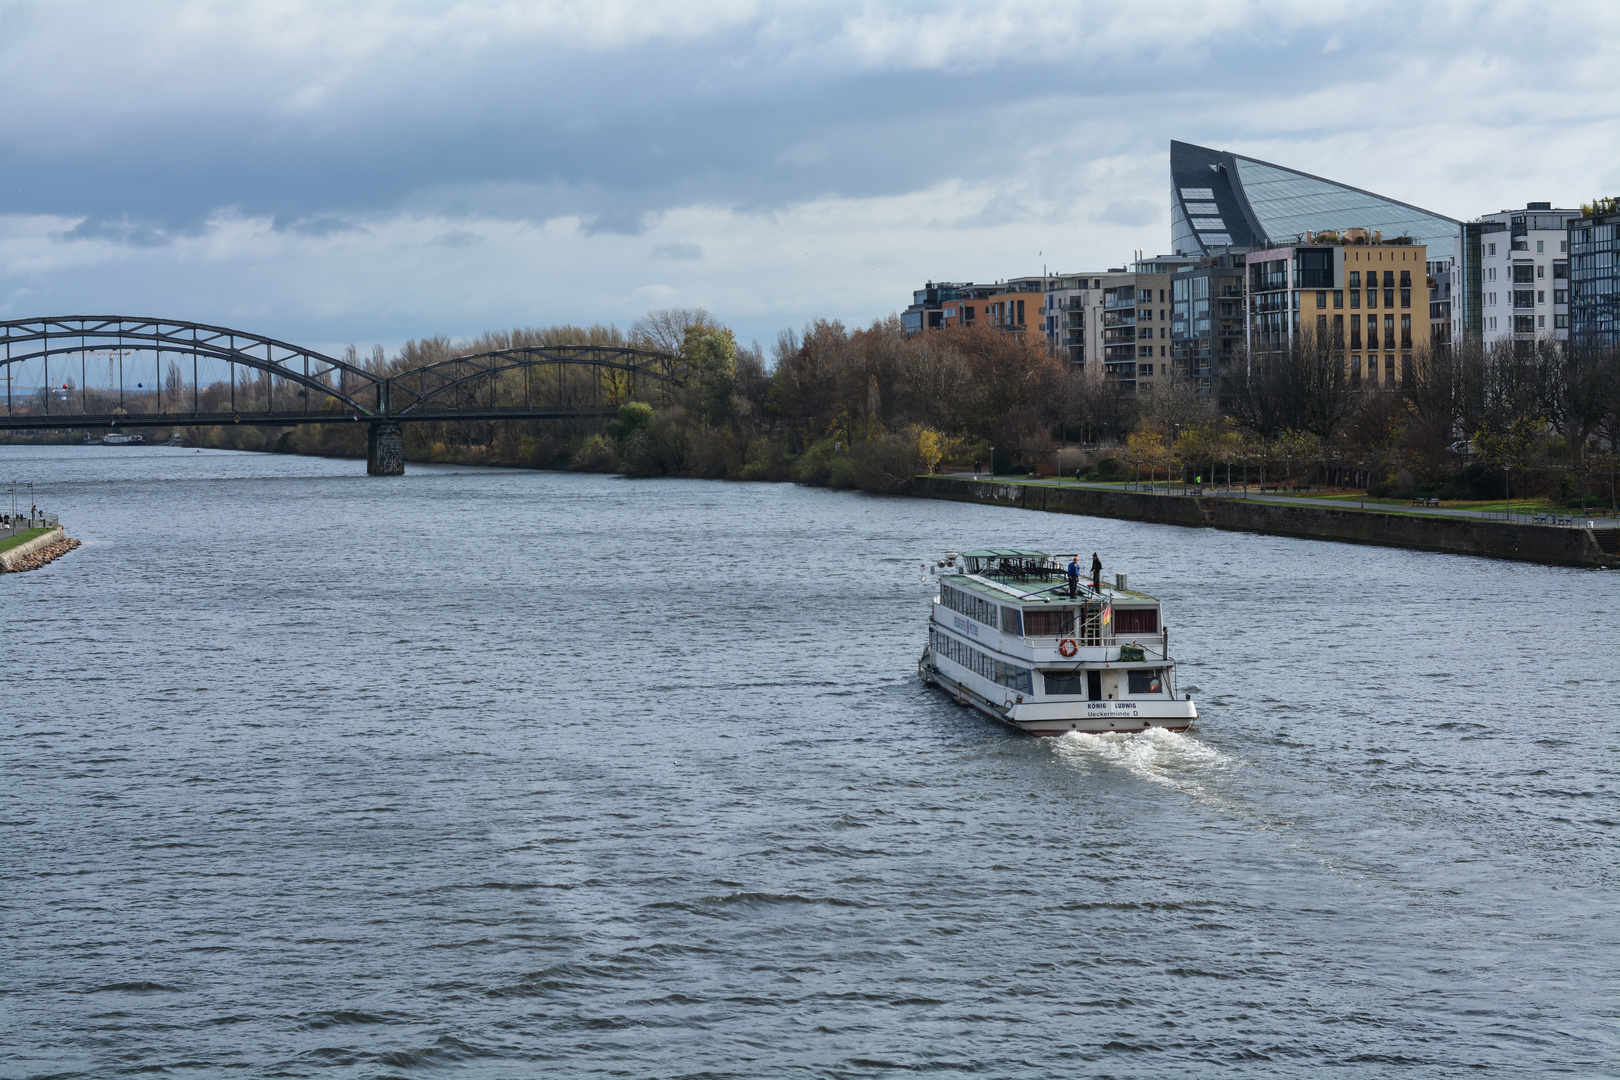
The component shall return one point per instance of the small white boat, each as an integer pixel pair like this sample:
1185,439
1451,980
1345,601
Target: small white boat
1007,637
123,440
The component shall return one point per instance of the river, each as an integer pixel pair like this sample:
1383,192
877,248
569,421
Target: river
499,773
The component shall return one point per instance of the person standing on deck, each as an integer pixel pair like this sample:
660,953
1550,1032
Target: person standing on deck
1096,573
1074,575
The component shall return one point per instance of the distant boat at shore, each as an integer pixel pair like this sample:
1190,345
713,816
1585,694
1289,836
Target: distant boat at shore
123,440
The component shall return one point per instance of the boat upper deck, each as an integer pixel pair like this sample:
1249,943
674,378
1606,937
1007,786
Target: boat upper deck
1032,577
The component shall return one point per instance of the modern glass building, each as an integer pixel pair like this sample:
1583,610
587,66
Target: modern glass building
1594,280
1220,201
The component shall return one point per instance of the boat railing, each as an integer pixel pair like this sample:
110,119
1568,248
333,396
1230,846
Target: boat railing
1153,646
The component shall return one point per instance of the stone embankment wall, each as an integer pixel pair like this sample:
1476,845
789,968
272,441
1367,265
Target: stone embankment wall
1463,536
36,552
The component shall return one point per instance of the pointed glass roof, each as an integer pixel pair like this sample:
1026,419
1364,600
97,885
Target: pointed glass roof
1219,198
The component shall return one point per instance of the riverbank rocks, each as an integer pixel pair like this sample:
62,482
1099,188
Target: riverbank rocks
37,552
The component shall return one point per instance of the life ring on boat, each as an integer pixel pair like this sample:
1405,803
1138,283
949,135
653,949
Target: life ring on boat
1068,647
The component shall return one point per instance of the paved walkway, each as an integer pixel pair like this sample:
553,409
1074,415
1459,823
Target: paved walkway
1254,495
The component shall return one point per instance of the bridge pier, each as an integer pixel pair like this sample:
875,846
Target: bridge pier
385,450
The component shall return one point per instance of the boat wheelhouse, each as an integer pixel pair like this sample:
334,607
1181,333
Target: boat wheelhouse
1007,636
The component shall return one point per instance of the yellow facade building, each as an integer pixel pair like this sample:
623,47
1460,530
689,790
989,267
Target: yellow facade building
1367,295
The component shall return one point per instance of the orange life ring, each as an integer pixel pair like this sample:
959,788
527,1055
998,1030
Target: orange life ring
1068,646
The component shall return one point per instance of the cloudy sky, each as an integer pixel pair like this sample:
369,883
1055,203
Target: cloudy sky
369,172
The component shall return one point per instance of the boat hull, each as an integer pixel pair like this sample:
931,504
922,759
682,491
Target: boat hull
1052,718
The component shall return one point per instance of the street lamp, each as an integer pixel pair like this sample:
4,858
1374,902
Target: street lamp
1507,492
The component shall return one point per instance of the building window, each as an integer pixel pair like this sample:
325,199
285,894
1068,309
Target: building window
1372,297
1492,248
1540,247
1355,298
1541,296
1355,369
1560,296
1321,299
1389,298
1144,369
1560,322
1355,279
1541,321
1406,298
1490,273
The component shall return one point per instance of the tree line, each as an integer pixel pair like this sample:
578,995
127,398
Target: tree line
871,407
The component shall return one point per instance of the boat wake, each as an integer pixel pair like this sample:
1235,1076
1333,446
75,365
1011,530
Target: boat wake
1174,759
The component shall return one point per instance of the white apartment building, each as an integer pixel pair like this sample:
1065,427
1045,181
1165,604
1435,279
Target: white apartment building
1510,276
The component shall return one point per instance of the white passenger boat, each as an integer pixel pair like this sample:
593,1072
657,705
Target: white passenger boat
1007,637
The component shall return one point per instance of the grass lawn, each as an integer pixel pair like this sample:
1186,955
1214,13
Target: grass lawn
21,538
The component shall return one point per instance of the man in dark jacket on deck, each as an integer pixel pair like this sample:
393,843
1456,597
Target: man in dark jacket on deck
1096,573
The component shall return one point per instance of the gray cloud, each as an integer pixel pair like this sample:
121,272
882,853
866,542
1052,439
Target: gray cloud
347,123
678,252
1132,212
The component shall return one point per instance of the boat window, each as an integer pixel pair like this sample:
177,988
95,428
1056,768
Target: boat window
1010,622
1136,621
1053,623
998,671
972,606
1065,682
1147,681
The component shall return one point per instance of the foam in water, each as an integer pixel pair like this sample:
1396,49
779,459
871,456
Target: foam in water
1174,759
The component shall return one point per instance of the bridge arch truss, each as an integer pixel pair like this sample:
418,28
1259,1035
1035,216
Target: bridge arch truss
268,381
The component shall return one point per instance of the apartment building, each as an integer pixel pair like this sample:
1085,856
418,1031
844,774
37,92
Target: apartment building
1512,273
1206,320
1439,271
968,305
1354,289
1065,316
927,310
1018,305
1130,325
1594,277
1012,306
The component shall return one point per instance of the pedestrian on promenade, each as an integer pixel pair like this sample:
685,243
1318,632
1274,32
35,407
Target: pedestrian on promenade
1096,573
1074,575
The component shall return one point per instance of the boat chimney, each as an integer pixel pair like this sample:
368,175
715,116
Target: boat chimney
1119,582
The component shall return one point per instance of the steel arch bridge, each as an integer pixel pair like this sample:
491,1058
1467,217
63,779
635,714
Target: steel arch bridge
253,379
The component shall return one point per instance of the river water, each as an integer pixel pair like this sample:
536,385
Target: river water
497,773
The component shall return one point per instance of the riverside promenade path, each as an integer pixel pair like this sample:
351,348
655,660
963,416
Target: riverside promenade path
1590,541
1597,518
